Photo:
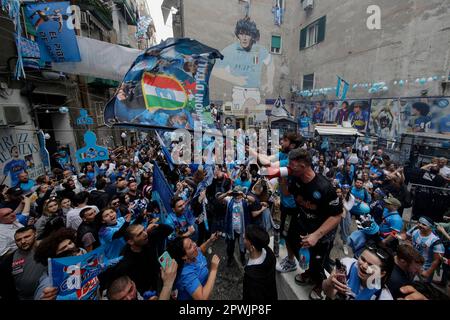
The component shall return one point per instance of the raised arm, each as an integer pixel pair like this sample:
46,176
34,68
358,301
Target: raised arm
203,292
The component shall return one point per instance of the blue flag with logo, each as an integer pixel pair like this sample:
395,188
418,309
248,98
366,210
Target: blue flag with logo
162,192
167,86
53,22
76,277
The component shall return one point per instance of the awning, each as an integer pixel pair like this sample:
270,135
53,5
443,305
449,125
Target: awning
100,59
337,131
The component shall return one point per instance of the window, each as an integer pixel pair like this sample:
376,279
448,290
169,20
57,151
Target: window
275,46
313,34
308,81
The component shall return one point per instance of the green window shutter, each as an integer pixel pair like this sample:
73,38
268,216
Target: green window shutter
303,38
276,42
322,27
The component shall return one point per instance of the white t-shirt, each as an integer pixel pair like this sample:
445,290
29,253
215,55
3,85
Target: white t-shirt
385,293
348,205
7,232
445,172
73,219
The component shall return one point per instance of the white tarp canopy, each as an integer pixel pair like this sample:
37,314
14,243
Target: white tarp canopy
100,59
336,131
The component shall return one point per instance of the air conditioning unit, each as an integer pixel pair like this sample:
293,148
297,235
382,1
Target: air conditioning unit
12,115
308,4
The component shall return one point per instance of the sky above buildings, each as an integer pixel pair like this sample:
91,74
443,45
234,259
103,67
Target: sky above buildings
163,29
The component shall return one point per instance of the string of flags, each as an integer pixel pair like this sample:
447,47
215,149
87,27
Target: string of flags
372,87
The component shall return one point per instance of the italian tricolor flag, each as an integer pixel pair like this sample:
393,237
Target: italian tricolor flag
163,92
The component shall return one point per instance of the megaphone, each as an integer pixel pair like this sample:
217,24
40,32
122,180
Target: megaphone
271,172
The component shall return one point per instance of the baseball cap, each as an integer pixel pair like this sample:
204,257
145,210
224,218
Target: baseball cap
392,201
380,192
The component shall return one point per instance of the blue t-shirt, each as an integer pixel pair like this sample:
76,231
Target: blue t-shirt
106,237
424,244
423,123
361,194
181,223
283,159
193,275
14,168
26,187
303,122
317,117
244,63
392,221
377,171
359,121
244,184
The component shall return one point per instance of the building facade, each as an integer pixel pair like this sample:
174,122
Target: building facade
305,44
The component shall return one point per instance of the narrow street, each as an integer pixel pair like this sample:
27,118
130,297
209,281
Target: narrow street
229,279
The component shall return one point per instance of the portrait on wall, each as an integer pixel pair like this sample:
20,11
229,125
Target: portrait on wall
430,114
385,120
243,65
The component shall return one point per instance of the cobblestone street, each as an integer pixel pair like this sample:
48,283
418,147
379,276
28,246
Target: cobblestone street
229,279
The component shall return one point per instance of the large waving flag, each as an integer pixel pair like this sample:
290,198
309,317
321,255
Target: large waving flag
166,87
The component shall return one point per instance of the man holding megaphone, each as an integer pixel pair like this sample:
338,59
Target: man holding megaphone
318,213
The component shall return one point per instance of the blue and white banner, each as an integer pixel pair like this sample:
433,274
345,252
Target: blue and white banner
165,151
76,277
31,54
341,95
53,22
167,86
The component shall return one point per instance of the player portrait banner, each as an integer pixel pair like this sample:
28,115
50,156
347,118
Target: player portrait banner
425,114
53,22
167,86
76,276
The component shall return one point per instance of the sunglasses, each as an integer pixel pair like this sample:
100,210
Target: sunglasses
379,252
115,203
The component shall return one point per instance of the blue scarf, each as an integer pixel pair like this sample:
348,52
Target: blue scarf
354,282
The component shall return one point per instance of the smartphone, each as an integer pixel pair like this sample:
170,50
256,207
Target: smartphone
341,272
165,260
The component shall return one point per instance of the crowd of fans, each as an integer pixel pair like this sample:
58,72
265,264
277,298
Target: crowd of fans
304,196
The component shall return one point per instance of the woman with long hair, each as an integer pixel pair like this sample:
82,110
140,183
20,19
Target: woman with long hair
50,220
194,281
353,279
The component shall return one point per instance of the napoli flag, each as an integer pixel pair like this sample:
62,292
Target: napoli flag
166,87
163,92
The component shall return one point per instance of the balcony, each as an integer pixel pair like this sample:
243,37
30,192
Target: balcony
129,9
98,10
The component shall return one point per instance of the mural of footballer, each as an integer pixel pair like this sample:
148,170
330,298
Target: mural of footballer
243,63
14,167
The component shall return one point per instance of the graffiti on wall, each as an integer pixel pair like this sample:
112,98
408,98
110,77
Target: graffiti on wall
19,151
243,64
